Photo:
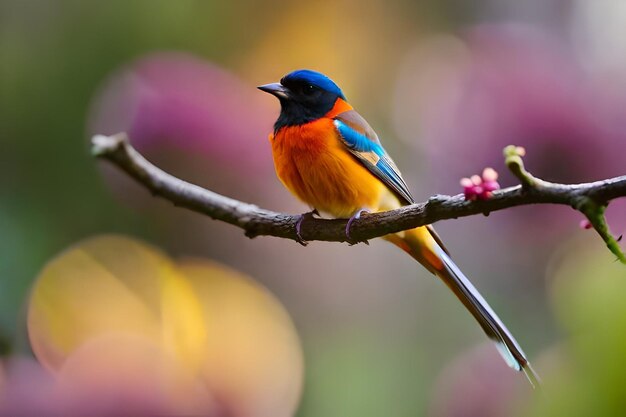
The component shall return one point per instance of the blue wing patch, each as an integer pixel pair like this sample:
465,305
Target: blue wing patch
373,156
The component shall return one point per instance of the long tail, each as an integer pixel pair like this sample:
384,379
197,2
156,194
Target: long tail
425,246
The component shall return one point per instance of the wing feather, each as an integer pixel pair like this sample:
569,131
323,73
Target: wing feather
363,143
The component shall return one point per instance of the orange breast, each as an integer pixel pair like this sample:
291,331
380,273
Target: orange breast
314,165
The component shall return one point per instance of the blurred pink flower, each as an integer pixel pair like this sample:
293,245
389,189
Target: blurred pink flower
502,84
177,101
32,391
477,384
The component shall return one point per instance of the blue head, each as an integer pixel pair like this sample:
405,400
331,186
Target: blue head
304,96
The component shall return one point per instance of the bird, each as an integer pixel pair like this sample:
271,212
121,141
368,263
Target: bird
328,156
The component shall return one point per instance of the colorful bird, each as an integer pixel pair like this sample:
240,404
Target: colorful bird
329,157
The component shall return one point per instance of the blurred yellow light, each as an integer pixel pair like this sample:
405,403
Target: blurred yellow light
113,312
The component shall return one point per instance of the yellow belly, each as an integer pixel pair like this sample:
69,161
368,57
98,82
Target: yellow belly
314,165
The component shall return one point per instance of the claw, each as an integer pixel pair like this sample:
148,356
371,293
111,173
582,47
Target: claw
301,218
354,217
299,238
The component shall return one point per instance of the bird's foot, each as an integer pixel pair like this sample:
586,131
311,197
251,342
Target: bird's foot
354,217
301,218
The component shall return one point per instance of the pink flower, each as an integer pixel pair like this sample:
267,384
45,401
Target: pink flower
480,188
510,83
181,107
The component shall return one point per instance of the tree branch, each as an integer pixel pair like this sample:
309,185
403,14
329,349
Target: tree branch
256,221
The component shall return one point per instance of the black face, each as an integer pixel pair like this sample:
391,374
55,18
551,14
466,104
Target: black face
304,96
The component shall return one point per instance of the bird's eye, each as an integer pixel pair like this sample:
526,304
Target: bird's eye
309,88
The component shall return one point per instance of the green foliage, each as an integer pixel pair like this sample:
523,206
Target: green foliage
586,372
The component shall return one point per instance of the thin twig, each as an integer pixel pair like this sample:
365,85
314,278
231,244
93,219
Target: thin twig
256,221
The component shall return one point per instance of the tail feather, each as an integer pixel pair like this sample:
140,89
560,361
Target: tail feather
508,347
425,249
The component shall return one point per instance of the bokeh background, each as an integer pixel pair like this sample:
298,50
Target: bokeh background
446,84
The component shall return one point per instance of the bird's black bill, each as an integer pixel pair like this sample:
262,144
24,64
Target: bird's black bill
275,89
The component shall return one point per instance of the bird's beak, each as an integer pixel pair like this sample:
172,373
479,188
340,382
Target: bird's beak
275,89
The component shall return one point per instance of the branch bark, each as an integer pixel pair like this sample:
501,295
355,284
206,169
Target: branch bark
256,221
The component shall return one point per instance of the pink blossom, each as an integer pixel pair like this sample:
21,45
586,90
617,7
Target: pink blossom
480,187
512,83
